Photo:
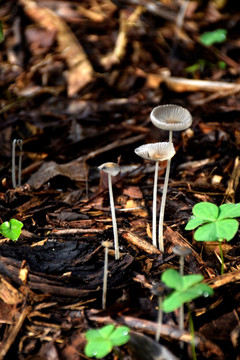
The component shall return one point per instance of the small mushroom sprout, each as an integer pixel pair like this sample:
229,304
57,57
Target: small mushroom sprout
159,290
15,143
156,152
171,118
112,169
181,251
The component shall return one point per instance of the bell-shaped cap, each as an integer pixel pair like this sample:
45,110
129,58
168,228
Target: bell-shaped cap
181,250
171,117
156,151
110,168
159,289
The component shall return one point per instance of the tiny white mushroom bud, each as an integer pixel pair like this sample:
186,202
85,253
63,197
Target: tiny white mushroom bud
110,168
181,250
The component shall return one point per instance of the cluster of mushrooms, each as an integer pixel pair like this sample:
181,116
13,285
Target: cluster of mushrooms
165,117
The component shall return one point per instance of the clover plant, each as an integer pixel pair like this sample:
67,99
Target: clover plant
11,229
212,37
100,342
214,223
185,288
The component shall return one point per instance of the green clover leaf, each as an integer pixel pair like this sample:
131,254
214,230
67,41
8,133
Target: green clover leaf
186,288
101,341
11,229
212,37
206,211
229,211
177,298
214,223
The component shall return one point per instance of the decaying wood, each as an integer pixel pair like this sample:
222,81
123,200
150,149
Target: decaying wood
140,243
225,279
233,182
75,232
121,43
13,331
77,169
185,85
80,69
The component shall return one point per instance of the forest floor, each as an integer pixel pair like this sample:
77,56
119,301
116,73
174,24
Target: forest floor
78,82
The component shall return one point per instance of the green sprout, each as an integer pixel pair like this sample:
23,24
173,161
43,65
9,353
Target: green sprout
101,341
212,37
11,229
1,32
185,289
214,223
202,64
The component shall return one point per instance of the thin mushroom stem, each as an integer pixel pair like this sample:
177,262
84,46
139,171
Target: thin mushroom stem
181,251
181,267
163,202
154,210
159,320
20,143
114,222
162,208
104,293
192,332
14,163
16,142
181,323
181,310
221,254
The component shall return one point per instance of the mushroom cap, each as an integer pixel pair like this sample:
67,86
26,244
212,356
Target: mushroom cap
171,117
107,244
159,289
156,151
110,168
181,250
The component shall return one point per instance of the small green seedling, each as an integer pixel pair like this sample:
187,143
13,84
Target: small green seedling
101,341
1,32
186,288
11,229
213,37
214,223
202,64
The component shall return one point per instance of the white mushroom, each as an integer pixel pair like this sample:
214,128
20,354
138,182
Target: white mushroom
156,152
112,169
171,118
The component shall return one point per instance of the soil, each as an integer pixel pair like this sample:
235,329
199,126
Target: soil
78,82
